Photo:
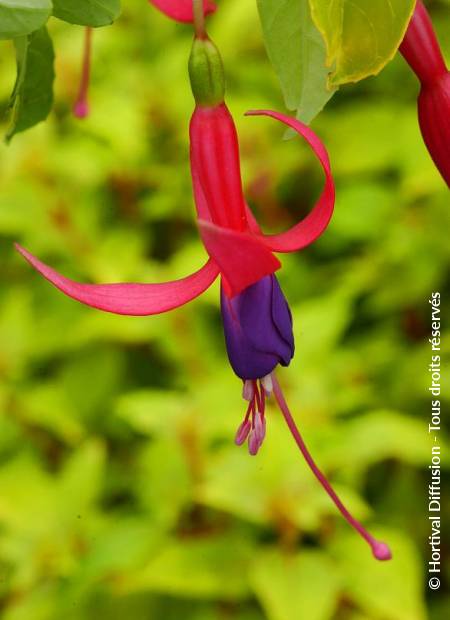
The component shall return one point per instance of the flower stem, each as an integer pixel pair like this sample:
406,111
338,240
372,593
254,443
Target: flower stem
199,19
379,549
81,107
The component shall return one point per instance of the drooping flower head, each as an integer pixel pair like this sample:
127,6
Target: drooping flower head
421,50
256,317
81,105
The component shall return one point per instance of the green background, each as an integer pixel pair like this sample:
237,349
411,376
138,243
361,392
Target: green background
122,494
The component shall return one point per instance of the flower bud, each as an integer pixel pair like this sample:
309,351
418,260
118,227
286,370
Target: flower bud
434,121
258,329
206,73
421,50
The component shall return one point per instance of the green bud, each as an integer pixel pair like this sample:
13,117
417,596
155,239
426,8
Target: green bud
206,73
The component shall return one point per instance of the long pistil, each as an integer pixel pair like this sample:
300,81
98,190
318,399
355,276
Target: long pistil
379,549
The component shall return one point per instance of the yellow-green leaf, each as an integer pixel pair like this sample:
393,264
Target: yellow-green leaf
297,52
362,36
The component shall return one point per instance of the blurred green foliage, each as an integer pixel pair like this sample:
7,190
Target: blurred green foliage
122,494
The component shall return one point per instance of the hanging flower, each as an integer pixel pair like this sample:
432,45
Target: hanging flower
81,106
421,50
256,317
181,10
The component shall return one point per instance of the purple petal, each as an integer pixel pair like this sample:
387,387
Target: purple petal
258,329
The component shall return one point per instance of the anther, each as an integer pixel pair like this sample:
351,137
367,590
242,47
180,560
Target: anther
248,391
242,432
267,384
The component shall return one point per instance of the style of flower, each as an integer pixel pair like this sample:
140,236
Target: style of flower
181,10
256,317
421,50
81,106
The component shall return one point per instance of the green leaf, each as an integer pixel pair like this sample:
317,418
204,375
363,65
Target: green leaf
297,52
20,17
391,590
203,567
32,96
295,586
361,36
87,12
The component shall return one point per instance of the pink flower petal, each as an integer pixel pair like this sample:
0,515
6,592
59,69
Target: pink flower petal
215,167
181,10
132,299
242,258
314,224
252,221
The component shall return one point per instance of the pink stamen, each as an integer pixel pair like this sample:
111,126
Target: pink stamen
243,432
81,106
260,427
253,443
379,549
248,390
253,427
257,397
267,384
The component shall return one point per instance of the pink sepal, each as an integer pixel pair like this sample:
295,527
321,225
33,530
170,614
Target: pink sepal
181,10
314,224
241,257
131,299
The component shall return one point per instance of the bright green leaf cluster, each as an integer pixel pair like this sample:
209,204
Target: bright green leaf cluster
20,17
32,96
87,12
317,45
24,21
297,52
362,36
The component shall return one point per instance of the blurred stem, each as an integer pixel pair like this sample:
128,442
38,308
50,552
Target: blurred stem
81,105
199,19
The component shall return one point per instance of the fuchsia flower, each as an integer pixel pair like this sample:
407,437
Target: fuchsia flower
181,10
256,317
81,106
421,50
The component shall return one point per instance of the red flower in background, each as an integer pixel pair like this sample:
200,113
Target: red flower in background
421,50
181,10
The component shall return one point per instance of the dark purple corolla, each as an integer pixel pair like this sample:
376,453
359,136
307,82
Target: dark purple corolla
257,325
258,329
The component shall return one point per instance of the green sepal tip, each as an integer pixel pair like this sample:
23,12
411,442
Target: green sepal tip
206,73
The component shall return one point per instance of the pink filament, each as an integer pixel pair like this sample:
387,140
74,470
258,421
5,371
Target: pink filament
379,549
81,106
